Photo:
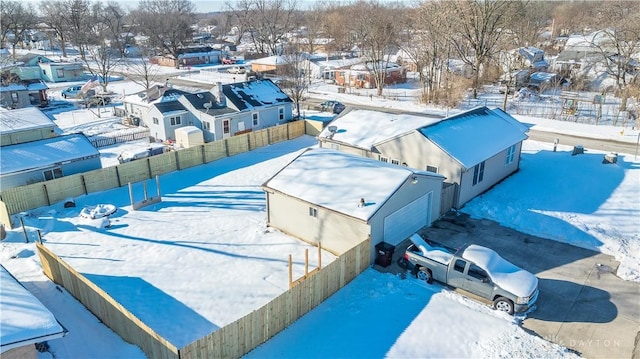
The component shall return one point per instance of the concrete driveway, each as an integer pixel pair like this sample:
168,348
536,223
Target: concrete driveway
582,305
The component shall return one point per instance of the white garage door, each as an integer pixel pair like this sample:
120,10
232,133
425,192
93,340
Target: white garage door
402,223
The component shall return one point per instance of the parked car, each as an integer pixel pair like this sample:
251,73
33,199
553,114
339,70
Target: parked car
72,92
332,106
97,100
228,61
474,269
236,69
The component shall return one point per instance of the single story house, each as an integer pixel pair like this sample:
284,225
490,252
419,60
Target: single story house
47,159
24,93
269,64
474,150
38,67
25,320
338,200
25,125
326,68
533,57
362,76
189,56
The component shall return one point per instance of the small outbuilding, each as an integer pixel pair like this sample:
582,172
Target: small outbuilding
25,322
189,136
338,200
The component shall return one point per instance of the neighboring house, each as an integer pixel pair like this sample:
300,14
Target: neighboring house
189,56
338,200
474,150
23,93
38,67
238,108
362,76
545,80
269,64
25,320
326,68
44,160
25,125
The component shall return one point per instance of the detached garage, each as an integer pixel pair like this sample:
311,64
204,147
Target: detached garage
338,199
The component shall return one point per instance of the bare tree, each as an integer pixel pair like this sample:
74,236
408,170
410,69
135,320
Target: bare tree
78,20
141,71
51,11
474,28
294,75
268,22
16,19
422,44
116,25
373,26
167,23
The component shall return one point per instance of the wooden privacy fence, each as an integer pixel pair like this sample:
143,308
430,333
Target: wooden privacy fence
245,334
231,341
103,306
46,193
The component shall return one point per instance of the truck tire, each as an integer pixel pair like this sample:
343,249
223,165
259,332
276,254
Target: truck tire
503,304
425,275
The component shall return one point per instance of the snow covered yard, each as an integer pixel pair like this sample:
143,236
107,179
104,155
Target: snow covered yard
204,254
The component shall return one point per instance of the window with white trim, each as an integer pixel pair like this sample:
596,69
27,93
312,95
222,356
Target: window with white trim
511,155
478,173
432,169
395,162
60,73
281,113
155,121
383,159
254,119
175,121
206,125
313,212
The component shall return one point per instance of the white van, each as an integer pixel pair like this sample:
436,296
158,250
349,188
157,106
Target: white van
237,69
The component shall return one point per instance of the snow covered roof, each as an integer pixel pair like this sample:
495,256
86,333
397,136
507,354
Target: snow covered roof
22,119
25,321
256,93
42,153
476,135
365,128
270,60
27,85
338,180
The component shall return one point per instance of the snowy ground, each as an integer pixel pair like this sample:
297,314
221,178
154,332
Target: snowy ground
377,315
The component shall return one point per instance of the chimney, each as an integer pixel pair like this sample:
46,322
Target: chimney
221,99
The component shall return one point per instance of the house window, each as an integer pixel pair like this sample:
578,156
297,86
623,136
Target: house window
225,126
395,162
176,121
335,146
206,125
281,113
432,169
478,173
255,119
44,72
52,173
383,159
155,121
511,155
14,97
60,73
313,212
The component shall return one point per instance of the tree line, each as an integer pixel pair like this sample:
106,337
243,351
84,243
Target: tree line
429,33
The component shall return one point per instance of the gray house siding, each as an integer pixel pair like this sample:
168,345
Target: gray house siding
35,175
335,231
495,170
27,135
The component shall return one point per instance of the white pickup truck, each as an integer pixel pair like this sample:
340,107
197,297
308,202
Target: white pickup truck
476,270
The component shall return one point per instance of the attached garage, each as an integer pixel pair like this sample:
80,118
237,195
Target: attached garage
338,199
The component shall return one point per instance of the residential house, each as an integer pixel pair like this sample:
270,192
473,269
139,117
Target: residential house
338,200
362,76
23,93
189,56
238,108
38,67
533,58
269,64
474,150
25,125
46,159
326,68
26,322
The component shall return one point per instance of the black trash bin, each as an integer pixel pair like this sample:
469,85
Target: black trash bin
384,254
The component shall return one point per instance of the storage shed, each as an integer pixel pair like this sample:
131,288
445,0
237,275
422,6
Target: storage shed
189,136
338,199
